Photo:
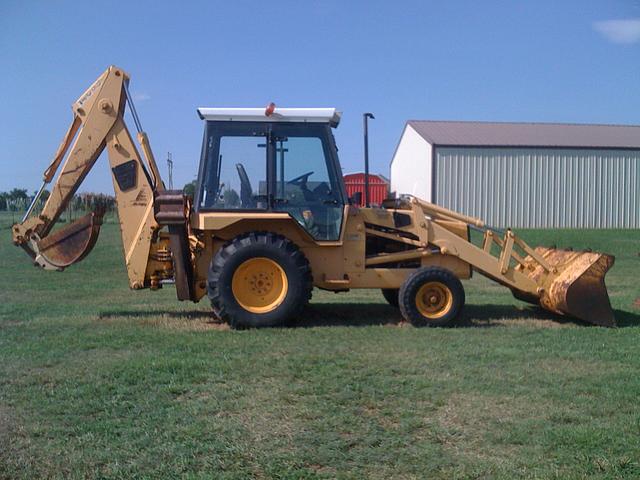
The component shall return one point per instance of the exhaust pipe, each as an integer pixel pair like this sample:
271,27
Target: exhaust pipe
365,121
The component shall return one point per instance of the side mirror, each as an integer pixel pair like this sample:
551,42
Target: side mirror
356,199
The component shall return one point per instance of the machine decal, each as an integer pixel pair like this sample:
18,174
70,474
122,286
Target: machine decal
125,175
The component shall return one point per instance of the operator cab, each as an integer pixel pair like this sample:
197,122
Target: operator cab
277,160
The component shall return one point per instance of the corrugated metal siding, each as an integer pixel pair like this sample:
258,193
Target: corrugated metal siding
541,187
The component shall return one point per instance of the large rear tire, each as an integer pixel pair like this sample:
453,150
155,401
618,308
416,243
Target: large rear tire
431,297
259,280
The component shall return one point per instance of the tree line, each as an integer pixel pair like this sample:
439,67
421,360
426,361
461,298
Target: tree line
228,195
18,200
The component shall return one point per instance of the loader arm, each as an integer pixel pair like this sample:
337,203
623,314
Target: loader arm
561,281
98,122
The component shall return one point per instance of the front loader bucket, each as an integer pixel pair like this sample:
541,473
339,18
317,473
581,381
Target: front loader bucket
70,244
577,288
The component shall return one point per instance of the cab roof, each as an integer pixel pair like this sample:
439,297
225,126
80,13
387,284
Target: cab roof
313,115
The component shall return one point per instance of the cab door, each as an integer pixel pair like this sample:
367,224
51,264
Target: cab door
307,181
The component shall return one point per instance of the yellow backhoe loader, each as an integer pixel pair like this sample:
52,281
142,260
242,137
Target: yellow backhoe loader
270,219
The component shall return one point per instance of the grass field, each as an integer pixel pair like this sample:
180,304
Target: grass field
97,381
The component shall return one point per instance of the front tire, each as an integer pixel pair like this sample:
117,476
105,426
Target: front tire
259,280
431,297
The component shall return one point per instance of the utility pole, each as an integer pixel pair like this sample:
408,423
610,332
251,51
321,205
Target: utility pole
170,168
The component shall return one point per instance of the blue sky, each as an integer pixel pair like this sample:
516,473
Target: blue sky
564,61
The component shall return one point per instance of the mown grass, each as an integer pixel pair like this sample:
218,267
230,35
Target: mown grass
97,381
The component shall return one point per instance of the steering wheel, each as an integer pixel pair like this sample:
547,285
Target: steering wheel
300,180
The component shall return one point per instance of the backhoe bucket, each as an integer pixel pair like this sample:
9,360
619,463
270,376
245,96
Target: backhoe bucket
577,288
70,244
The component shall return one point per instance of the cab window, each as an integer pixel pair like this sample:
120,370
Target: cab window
305,187
235,170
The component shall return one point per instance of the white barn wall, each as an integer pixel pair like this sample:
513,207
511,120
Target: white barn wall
411,166
541,187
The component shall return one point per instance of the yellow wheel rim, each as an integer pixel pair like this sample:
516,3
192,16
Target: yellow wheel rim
434,300
259,285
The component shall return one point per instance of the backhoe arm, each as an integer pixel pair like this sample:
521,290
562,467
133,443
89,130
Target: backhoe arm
98,122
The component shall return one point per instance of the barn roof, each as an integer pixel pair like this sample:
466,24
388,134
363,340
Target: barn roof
505,134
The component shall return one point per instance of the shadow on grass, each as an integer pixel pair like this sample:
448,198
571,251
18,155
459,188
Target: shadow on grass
349,314
627,319
206,315
473,316
486,315
369,314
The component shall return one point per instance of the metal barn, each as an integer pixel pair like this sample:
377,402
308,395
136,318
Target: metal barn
378,187
537,175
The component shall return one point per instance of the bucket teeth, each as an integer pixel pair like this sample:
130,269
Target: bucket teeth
576,287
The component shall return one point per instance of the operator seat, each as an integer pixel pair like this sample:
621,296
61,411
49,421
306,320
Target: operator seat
246,192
